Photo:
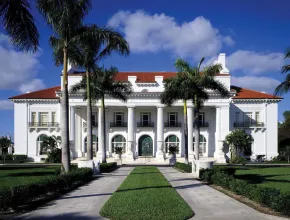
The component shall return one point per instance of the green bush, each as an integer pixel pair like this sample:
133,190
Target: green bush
108,167
7,157
183,166
20,158
54,156
19,195
238,160
269,197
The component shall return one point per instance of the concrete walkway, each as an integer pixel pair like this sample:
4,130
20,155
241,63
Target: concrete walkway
84,203
208,203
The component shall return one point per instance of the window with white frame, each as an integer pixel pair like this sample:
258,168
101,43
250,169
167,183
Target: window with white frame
94,119
118,118
33,117
248,118
172,118
237,117
145,118
201,117
202,144
119,141
257,117
43,118
171,140
53,117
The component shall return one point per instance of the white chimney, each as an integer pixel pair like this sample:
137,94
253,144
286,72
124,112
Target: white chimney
222,60
71,68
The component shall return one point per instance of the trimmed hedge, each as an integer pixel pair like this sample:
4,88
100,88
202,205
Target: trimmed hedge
270,197
184,167
108,167
18,158
17,196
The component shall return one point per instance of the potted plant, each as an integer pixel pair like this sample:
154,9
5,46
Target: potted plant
119,152
173,150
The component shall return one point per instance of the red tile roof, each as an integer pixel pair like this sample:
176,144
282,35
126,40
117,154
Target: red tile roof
40,94
243,93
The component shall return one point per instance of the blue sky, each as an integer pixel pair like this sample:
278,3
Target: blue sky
254,34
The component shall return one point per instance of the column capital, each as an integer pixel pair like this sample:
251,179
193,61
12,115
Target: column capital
131,106
160,106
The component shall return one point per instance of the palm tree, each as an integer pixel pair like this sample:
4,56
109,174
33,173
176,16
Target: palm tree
51,143
205,80
19,24
65,18
88,52
284,87
102,83
5,143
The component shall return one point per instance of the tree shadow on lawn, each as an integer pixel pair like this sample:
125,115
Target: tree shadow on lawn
257,178
29,174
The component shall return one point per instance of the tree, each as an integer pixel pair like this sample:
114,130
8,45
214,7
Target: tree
88,52
50,143
102,83
238,140
5,143
19,24
65,17
284,87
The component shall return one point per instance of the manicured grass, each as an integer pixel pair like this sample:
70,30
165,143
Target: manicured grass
11,176
276,177
146,194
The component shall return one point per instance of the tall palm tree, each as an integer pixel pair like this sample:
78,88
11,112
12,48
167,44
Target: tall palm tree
102,83
89,51
284,87
19,24
65,18
205,80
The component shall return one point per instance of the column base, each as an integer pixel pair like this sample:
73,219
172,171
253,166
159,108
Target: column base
94,165
198,165
160,155
219,155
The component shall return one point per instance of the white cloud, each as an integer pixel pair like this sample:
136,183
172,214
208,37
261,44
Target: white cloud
35,84
6,105
258,83
16,68
159,32
252,62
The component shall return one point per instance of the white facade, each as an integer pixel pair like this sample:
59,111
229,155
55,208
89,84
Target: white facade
143,126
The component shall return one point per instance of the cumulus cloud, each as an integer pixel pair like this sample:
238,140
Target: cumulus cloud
159,32
252,62
35,84
258,83
6,105
16,68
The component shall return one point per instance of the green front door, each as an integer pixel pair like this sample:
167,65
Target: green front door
145,146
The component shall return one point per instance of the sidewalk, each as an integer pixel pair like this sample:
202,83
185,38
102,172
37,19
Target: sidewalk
208,203
83,203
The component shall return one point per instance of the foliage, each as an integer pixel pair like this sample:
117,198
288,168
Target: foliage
173,149
51,143
238,139
23,194
20,158
270,197
238,160
119,150
284,87
183,166
146,194
19,23
5,143
54,156
108,167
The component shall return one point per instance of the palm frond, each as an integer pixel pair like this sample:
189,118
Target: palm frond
212,70
181,65
284,87
287,53
19,24
285,69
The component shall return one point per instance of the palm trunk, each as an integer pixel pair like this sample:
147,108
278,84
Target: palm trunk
89,119
104,159
65,150
196,131
185,131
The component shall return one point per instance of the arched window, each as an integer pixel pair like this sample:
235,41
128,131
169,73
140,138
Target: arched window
40,149
171,140
119,141
95,145
202,144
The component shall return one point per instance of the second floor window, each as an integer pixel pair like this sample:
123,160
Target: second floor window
145,118
201,117
257,117
43,118
237,117
33,117
172,118
118,118
53,117
248,118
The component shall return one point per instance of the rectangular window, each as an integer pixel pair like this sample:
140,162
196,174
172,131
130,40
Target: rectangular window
201,117
257,117
118,118
145,118
33,117
43,118
53,117
93,119
172,118
248,118
237,117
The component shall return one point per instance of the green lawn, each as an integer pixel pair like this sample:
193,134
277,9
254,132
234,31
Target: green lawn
277,177
146,194
11,176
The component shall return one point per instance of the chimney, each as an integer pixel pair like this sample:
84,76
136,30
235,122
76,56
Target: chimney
71,68
222,60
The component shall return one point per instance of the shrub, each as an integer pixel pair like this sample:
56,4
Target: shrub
238,160
183,166
20,158
108,167
19,195
7,157
173,149
54,156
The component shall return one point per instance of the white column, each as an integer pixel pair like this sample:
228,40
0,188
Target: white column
131,131
72,130
79,131
101,134
219,155
160,133
190,132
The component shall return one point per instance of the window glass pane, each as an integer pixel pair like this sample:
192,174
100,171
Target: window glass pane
257,116
237,117
53,117
33,117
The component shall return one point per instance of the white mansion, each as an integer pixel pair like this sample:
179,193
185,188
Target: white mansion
142,125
